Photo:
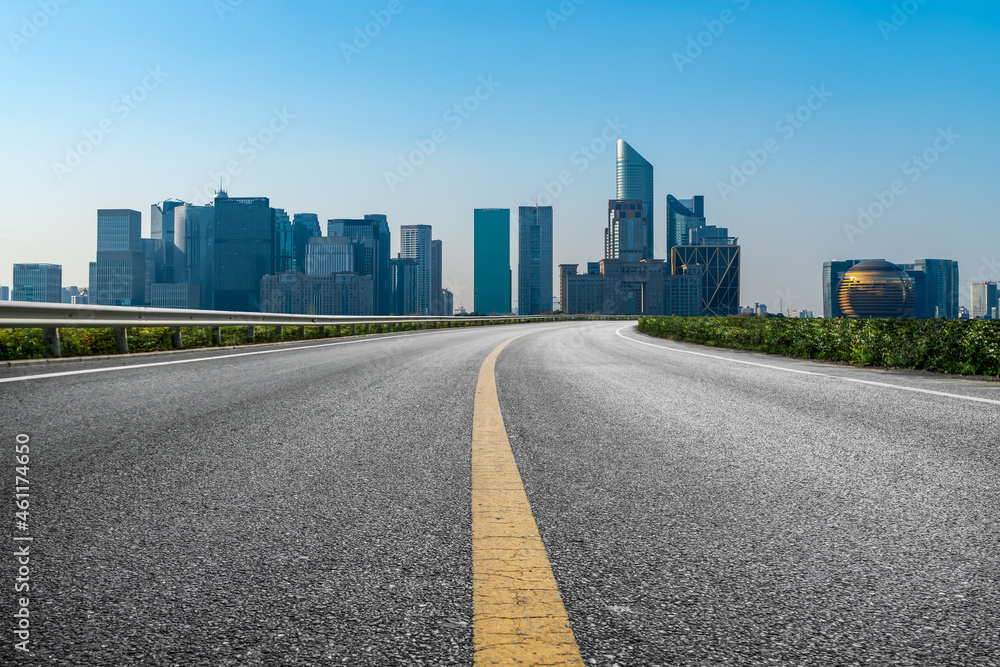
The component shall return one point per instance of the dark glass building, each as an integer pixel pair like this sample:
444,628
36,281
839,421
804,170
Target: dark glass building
243,251
437,279
284,246
682,217
404,286
534,263
938,287
304,227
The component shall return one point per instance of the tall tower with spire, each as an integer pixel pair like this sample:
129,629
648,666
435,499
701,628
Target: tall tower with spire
635,181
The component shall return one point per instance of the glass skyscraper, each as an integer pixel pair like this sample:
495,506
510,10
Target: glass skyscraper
437,278
534,260
372,238
635,181
284,246
683,216
243,251
415,242
492,274
118,277
937,288
304,227
37,283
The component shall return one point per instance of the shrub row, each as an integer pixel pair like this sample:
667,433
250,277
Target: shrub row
28,343
951,346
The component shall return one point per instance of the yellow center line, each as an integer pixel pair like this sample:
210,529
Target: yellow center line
518,613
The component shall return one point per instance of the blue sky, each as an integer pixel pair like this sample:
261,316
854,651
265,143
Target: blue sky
202,76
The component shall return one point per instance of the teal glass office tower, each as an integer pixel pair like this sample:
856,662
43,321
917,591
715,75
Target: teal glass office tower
534,263
492,272
635,181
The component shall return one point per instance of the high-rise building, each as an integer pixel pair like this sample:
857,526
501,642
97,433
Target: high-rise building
196,224
719,257
984,300
4,294
447,303
404,286
373,239
415,243
171,262
330,254
492,273
635,182
284,245
683,215
534,262
243,251
37,283
833,274
304,227
437,278
625,236
938,288
119,276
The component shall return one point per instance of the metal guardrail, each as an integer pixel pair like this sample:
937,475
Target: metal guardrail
50,317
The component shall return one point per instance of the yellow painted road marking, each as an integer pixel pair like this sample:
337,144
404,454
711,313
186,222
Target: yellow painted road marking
519,617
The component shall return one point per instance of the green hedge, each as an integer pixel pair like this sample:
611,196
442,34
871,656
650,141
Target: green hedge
951,346
28,344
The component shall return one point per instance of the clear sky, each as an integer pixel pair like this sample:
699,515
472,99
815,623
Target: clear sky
163,96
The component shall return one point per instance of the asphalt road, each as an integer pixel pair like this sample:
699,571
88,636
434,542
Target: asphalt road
311,505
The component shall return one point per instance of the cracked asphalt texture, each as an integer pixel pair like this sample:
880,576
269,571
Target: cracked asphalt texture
312,506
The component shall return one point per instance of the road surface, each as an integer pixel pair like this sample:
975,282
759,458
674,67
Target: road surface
312,504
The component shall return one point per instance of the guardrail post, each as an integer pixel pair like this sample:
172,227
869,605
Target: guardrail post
176,338
251,334
216,336
354,329
50,339
322,331
368,329
302,333
279,333
121,340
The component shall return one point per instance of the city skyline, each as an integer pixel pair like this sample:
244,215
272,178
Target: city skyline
798,165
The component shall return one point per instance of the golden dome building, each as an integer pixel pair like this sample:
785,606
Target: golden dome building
877,289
